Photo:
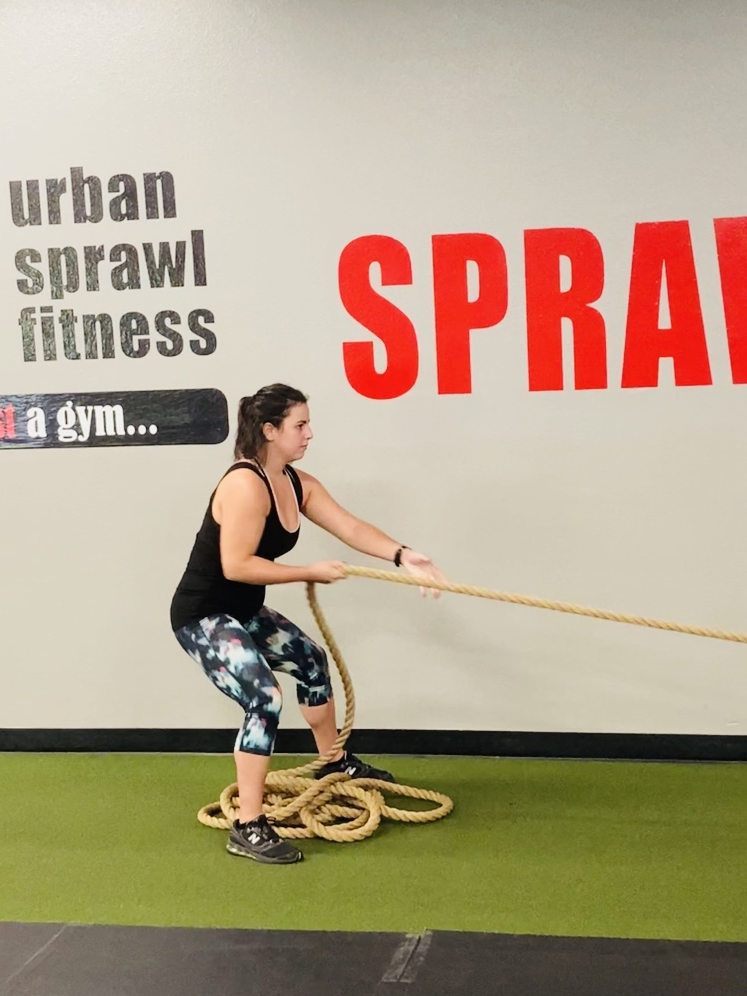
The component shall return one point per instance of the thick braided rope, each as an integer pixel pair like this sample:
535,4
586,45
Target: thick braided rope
335,807
542,603
303,807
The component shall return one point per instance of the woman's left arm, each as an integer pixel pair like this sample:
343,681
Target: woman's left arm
322,509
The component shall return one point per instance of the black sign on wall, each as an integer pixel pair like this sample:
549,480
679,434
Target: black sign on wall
114,418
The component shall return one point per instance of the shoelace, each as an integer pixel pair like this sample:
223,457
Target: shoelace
352,765
267,830
263,828
362,769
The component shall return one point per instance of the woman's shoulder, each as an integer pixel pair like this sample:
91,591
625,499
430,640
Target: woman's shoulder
304,477
242,478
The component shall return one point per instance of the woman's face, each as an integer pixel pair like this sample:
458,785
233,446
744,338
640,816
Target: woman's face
293,435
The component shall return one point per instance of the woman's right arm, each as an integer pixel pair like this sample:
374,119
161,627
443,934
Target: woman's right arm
242,507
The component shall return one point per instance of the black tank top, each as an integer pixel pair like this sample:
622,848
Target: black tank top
204,590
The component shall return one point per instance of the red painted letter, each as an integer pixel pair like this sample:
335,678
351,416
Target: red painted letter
7,422
664,247
379,316
731,246
548,305
455,314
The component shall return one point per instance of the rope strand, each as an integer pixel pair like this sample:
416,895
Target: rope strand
542,603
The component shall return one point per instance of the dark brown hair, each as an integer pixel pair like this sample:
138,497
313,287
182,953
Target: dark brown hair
270,404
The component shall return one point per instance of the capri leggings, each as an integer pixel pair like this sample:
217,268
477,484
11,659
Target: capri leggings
239,660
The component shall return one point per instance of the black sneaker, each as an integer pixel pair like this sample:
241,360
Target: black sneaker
258,840
353,766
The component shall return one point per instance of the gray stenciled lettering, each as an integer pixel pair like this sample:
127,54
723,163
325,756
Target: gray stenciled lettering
157,268
134,326
49,342
175,343
151,182
79,197
90,338
209,342
69,344
72,276
55,189
123,207
199,268
126,276
93,255
80,184
99,339
35,283
21,214
167,267
86,198
27,321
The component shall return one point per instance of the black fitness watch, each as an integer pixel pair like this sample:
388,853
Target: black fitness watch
398,556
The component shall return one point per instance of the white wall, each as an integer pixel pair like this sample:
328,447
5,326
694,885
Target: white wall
291,129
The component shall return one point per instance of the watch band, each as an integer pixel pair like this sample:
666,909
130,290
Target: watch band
398,556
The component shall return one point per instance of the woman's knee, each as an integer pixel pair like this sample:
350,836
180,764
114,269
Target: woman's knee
262,716
270,695
257,734
314,687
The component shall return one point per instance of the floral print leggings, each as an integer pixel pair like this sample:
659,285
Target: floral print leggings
239,660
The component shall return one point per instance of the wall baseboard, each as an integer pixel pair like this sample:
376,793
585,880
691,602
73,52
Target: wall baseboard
478,743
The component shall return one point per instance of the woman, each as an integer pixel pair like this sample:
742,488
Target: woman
218,612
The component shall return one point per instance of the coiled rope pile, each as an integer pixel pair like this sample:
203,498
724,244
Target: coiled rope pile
342,809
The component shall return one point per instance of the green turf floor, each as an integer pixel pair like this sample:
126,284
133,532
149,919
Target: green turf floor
533,846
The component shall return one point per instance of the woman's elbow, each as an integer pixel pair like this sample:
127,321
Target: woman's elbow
233,570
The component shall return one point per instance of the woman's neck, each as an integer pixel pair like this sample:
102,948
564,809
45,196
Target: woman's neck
272,464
